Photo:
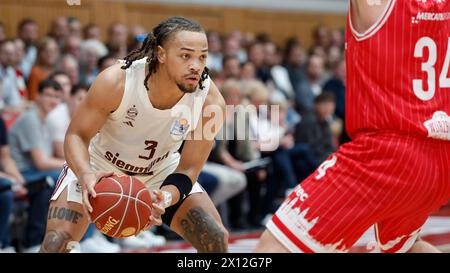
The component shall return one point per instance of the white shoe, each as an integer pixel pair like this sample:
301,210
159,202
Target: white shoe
9,249
103,242
133,242
32,249
152,239
90,246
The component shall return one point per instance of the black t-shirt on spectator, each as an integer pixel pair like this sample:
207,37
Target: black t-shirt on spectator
3,133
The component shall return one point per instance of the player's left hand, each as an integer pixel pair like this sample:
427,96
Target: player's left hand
162,199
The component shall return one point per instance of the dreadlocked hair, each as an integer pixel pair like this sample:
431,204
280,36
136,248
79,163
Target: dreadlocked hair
158,37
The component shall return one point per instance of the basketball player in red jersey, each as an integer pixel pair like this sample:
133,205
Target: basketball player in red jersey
395,171
133,121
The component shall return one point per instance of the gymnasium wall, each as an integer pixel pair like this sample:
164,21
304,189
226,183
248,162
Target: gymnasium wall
278,24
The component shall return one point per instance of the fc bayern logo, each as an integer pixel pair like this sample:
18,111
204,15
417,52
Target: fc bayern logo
132,112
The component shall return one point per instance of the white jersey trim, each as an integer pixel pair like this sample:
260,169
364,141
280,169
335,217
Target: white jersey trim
376,26
118,113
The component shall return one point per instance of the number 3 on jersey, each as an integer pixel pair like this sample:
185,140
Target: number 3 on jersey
429,68
151,146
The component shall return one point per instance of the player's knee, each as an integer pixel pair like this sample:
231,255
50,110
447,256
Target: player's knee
57,241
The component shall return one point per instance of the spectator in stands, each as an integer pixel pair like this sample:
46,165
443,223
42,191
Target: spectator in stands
69,65
321,37
59,118
10,97
337,39
32,149
105,62
311,86
19,56
232,152
231,68
232,47
256,56
30,141
11,184
91,31
135,40
72,46
74,26
6,205
294,61
229,171
315,128
117,40
248,71
336,85
48,55
279,75
59,30
27,31
215,56
91,52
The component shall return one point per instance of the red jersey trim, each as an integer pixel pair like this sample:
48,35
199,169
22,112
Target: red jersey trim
375,27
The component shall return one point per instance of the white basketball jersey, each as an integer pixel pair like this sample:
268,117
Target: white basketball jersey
138,138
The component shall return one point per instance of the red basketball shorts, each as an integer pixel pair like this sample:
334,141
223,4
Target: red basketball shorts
386,180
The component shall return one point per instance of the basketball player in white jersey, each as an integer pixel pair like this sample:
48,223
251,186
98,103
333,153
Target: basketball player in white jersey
133,122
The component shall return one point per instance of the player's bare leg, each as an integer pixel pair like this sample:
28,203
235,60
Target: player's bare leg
269,244
420,246
199,223
66,223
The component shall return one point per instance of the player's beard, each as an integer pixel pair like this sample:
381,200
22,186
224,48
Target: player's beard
187,88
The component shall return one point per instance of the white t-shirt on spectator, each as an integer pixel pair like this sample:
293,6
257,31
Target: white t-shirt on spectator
10,95
58,121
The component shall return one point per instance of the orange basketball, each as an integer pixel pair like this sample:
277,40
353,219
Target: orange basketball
121,207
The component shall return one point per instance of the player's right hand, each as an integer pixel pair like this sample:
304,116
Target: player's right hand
88,181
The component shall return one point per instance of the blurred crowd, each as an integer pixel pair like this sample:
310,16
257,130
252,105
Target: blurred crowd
43,80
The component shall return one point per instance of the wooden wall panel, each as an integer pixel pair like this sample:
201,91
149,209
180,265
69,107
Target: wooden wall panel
279,25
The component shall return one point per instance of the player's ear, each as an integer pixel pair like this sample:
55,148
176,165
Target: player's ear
161,54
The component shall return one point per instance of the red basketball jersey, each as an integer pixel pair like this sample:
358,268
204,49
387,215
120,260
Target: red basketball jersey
398,71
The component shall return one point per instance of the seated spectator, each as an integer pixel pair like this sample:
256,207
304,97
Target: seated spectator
91,51
6,203
11,184
233,149
229,171
315,128
59,30
91,31
27,31
231,68
74,26
311,86
117,40
214,60
72,46
48,55
336,85
70,66
58,120
105,62
32,149
10,85
20,76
